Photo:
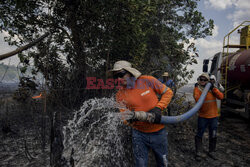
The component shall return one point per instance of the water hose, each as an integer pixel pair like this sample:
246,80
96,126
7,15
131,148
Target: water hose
189,113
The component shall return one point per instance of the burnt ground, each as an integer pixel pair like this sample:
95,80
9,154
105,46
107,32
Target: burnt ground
233,143
24,138
22,146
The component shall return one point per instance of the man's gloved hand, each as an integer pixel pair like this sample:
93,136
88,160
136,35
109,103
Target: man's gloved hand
144,116
131,116
212,86
128,116
157,114
196,85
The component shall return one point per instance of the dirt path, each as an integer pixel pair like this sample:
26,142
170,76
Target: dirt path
233,146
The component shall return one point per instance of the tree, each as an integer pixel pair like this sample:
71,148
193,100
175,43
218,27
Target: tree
172,25
88,36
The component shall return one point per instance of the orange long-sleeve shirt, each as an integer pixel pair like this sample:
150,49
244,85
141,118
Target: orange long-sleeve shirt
143,97
209,108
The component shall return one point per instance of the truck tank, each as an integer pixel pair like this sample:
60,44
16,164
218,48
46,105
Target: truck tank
238,68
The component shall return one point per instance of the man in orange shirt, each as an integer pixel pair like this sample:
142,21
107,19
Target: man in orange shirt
208,116
142,110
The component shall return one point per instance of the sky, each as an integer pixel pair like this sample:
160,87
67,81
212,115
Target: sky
5,48
227,14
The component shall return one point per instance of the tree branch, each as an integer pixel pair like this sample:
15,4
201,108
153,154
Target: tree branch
19,50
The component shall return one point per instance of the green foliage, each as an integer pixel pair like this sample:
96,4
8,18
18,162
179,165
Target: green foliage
87,37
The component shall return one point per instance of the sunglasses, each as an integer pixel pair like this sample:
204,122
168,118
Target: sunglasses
120,74
203,79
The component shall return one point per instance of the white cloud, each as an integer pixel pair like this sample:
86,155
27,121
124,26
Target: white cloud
219,4
241,12
243,4
240,9
207,49
215,31
234,39
197,70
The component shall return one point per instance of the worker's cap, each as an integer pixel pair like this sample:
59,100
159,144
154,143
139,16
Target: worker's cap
125,65
213,77
205,75
165,74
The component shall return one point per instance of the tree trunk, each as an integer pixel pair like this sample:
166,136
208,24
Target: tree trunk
56,137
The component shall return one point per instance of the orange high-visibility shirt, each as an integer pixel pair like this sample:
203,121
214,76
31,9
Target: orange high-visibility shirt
143,97
209,108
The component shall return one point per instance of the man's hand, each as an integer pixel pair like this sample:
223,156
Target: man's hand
157,114
144,116
212,86
128,116
132,116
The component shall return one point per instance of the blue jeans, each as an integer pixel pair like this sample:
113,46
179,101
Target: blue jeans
212,124
157,141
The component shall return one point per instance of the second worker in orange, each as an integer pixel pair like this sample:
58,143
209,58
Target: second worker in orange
208,116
